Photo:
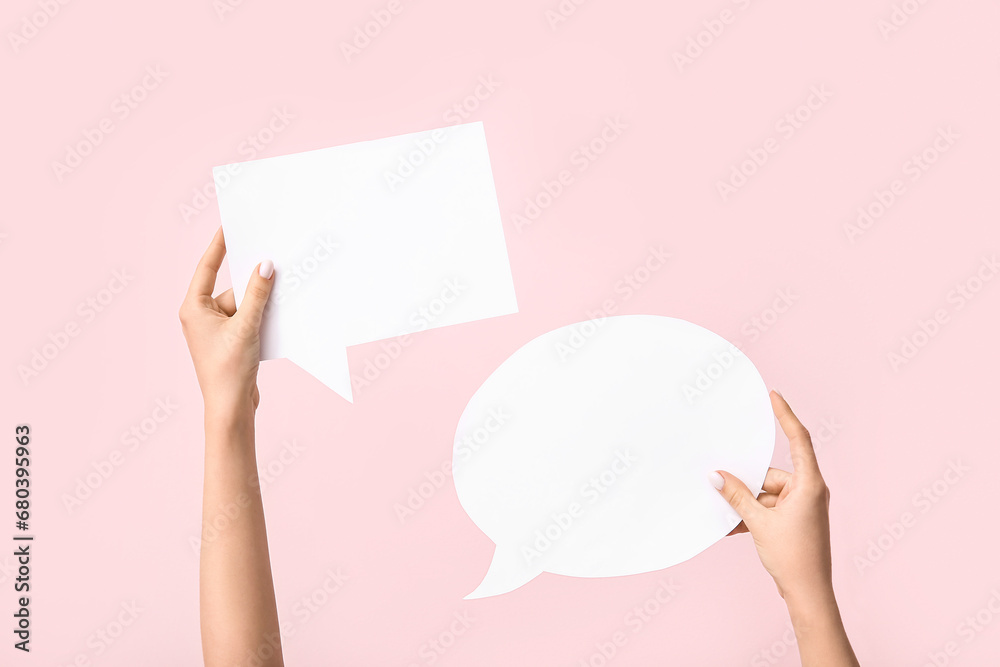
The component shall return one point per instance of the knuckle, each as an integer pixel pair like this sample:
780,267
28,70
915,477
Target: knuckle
245,330
735,499
818,489
259,292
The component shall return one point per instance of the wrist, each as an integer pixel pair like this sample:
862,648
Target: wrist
819,628
812,607
226,415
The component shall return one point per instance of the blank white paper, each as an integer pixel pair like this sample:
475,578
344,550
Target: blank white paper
369,241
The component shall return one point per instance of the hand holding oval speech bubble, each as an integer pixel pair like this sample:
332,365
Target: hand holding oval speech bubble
587,452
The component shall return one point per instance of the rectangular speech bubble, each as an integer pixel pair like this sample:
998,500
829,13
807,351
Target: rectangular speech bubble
369,241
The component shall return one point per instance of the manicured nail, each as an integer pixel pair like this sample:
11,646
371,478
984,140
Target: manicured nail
717,480
777,392
266,269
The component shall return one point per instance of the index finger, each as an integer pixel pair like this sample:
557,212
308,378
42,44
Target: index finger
775,480
203,282
803,454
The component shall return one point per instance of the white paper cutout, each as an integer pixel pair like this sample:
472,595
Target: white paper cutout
625,417
369,241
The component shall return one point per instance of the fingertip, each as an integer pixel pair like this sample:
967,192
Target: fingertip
266,269
717,480
778,404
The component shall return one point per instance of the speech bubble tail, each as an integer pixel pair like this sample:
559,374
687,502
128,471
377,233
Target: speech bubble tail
329,366
507,572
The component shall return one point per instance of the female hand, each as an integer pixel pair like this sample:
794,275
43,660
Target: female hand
225,343
789,520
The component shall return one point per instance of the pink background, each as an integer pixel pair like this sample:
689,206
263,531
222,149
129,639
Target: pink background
890,432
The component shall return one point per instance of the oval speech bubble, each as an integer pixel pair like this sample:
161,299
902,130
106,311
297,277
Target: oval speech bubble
587,452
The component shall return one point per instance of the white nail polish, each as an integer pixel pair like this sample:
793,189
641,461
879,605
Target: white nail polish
266,269
717,480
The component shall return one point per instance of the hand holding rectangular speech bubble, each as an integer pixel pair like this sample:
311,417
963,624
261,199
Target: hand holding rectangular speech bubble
369,241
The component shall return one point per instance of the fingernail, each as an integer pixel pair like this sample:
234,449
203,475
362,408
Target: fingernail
266,269
717,480
777,392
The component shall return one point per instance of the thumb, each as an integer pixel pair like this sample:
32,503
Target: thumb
737,495
251,310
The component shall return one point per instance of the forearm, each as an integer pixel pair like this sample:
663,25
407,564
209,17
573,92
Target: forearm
819,629
238,610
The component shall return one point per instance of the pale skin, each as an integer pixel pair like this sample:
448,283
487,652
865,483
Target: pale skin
790,525
789,520
239,616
